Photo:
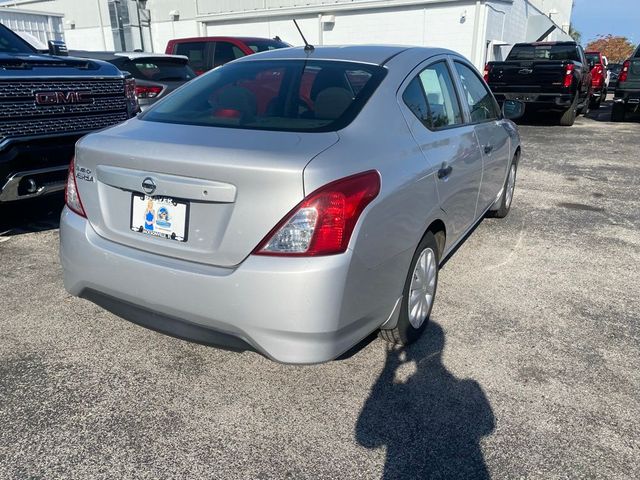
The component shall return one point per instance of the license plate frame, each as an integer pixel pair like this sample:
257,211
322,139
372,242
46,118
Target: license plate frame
167,227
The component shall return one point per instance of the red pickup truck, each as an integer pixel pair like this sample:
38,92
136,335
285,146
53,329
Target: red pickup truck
599,78
205,53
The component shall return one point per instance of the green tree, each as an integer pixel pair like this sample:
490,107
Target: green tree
575,34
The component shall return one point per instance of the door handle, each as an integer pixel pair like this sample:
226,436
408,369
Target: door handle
488,149
445,171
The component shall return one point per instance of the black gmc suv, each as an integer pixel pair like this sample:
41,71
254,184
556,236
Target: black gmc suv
47,102
553,76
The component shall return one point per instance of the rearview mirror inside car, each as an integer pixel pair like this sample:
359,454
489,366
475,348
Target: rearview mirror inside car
513,109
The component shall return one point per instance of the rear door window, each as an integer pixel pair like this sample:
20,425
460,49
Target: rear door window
432,97
482,105
414,98
285,95
196,52
265,45
225,52
593,57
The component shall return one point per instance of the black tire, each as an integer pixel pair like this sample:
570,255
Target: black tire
595,103
568,118
618,112
504,203
405,333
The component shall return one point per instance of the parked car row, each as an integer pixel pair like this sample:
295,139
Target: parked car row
561,78
550,76
260,199
262,180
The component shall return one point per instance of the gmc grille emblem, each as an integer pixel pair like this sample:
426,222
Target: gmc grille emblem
62,98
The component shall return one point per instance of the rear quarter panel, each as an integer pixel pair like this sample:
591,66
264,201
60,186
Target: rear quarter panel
390,228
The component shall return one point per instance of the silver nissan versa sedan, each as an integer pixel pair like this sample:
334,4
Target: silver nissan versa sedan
291,201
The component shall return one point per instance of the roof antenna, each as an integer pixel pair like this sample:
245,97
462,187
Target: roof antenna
307,46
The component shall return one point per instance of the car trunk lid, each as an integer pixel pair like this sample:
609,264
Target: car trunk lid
238,184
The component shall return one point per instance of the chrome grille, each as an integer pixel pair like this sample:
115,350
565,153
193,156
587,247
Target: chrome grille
28,88
48,126
30,109
20,116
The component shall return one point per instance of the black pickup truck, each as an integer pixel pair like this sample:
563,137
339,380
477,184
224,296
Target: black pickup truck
47,102
553,76
627,96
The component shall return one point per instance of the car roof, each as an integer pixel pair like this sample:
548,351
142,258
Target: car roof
373,54
541,44
130,55
222,38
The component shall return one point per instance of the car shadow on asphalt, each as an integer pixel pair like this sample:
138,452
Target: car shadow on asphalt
430,422
29,216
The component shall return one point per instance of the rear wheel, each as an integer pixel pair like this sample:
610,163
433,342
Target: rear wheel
418,294
568,118
504,202
596,103
618,112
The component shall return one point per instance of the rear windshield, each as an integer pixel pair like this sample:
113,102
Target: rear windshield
158,69
285,95
265,45
544,52
11,43
593,57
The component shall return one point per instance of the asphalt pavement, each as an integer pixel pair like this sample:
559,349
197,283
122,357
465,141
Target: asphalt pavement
529,369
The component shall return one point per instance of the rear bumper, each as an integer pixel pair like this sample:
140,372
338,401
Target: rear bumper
630,98
290,309
33,168
557,101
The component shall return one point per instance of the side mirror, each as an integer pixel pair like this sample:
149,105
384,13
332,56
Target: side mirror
513,109
58,48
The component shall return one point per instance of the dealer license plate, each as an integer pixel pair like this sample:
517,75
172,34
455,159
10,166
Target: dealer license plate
160,217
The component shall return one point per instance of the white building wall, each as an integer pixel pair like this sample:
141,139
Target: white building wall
43,26
524,23
443,23
443,26
82,21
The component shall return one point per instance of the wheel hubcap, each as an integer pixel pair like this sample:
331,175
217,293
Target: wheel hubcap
422,288
511,185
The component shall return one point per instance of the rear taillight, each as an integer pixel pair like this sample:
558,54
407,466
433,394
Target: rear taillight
624,73
568,76
130,92
323,222
71,194
148,91
487,71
